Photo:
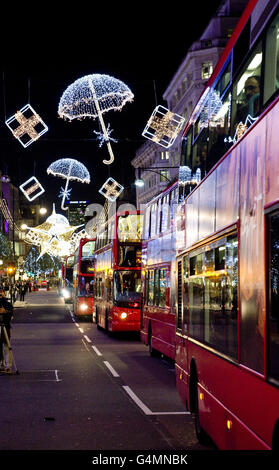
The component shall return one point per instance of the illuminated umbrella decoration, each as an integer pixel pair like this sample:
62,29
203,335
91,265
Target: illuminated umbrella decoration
68,169
91,96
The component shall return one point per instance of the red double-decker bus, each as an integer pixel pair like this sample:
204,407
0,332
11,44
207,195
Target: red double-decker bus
84,278
227,333
67,279
158,273
117,299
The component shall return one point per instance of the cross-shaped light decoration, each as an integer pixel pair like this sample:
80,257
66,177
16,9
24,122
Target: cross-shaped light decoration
163,126
111,189
32,188
26,125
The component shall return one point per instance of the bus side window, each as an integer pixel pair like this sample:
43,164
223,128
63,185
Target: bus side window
271,78
247,90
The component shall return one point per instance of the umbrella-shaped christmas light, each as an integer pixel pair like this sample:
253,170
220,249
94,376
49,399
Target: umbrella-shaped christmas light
91,96
68,169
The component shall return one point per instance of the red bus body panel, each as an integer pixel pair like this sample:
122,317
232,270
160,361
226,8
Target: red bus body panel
246,182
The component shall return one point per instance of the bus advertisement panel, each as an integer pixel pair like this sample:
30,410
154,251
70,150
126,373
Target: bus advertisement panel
117,305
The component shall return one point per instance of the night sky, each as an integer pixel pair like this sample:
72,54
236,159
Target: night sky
41,57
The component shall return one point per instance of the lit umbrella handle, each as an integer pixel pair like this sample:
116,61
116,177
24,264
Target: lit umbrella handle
96,102
66,188
64,196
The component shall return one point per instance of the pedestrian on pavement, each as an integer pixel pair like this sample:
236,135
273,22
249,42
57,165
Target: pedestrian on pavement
6,315
22,292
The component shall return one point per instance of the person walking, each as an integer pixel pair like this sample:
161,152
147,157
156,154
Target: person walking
22,291
6,315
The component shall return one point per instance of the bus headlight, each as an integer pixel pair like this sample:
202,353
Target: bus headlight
65,293
83,307
123,315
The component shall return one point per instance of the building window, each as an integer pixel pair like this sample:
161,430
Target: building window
165,155
207,69
164,176
205,43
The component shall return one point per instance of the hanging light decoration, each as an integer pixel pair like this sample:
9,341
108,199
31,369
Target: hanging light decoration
26,125
91,96
32,188
54,235
163,126
68,169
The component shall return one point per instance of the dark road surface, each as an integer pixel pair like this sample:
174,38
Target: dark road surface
81,389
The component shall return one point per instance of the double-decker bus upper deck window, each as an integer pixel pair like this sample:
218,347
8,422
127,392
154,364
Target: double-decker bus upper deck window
186,149
271,76
130,228
242,46
165,208
247,90
273,326
219,127
225,78
87,257
200,149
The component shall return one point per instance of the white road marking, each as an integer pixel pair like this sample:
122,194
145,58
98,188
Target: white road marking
145,409
136,399
128,390
87,339
97,351
56,375
111,369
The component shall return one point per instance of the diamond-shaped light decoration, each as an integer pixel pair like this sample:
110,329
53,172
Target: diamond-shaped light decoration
111,189
163,126
32,188
26,125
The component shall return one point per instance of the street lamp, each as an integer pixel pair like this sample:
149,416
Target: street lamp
139,182
43,210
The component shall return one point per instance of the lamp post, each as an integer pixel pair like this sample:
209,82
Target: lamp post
140,182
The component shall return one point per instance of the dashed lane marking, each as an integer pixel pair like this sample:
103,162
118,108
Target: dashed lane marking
97,351
111,369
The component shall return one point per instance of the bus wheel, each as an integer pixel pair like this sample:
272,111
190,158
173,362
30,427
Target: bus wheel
152,351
